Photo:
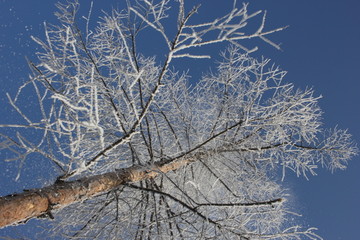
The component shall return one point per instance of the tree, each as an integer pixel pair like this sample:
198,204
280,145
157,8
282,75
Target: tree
140,153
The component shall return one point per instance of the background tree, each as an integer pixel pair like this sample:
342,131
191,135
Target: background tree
106,108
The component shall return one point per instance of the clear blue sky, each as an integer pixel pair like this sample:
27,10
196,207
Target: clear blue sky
320,49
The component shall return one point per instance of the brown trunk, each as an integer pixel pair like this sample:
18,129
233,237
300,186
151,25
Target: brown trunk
17,208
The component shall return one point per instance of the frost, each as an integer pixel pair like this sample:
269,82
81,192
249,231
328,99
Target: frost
67,102
49,68
189,162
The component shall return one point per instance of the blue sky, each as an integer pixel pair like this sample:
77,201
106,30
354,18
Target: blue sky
319,49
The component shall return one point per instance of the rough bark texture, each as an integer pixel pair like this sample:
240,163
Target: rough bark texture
17,208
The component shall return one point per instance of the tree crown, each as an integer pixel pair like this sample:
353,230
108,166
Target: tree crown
104,106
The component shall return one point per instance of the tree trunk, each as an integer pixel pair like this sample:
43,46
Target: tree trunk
18,208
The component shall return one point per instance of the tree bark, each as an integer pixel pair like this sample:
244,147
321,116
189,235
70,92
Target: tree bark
18,208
